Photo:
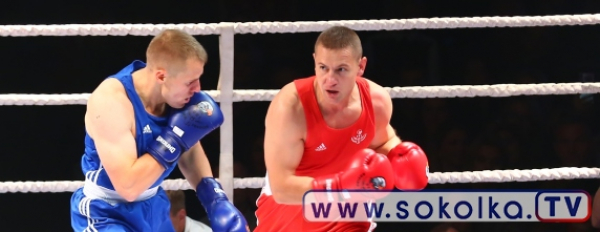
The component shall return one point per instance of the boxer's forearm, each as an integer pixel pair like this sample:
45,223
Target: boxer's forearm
388,145
194,165
292,190
140,175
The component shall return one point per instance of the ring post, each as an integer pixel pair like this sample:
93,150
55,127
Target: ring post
225,87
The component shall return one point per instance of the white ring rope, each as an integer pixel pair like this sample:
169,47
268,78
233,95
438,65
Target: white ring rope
258,182
227,30
500,90
296,27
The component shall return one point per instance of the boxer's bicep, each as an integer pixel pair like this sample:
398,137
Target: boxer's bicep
109,122
283,147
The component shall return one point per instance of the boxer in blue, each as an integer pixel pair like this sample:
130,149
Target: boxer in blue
140,123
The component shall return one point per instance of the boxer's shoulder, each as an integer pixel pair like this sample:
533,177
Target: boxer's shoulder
377,91
380,98
110,90
382,105
288,99
109,86
286,106
109,99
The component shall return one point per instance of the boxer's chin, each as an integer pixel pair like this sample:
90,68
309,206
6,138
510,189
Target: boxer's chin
179,104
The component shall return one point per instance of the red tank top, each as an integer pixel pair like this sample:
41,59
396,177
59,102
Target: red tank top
326,151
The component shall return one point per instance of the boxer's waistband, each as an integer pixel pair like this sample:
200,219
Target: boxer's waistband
94,191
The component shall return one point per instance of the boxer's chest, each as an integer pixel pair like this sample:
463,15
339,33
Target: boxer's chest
343,118
328,150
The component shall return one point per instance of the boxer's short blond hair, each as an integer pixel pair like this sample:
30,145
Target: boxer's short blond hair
340,37
171,48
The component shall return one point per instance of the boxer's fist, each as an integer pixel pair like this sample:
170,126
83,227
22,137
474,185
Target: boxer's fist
410,166
196,119
223,215
186,127
368,170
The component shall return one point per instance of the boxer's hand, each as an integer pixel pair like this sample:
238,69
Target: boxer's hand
367,171
410,166
223,215
187,126
200,116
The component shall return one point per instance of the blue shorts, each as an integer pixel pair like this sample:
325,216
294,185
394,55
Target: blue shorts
98,215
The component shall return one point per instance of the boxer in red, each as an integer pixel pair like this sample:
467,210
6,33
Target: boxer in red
332,131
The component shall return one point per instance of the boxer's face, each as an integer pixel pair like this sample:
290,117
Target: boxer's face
336,72
178,89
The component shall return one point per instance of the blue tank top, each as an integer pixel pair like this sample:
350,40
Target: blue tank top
147,128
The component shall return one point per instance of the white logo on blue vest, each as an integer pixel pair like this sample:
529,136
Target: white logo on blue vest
147,130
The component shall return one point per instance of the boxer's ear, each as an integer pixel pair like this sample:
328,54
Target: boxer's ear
181,214
160,74
362,64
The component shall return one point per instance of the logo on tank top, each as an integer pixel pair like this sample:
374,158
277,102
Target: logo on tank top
321,147
359,137
147,130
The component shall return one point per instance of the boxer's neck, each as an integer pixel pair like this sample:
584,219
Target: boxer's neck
149,92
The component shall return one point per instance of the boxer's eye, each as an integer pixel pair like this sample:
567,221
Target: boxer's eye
191,82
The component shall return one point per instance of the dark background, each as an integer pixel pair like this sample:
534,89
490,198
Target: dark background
458,134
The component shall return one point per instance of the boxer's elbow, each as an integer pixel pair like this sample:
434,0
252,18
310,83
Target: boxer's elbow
283,198
128,195
124,186
129,187
291,191
278,192
128,192
280,196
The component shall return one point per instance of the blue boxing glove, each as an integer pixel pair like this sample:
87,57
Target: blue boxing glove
223,215
186,127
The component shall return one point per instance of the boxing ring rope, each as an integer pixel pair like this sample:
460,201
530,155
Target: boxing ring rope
258,182
296,27
226,95
500,90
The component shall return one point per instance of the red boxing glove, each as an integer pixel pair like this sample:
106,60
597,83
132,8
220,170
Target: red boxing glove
410,165
367,171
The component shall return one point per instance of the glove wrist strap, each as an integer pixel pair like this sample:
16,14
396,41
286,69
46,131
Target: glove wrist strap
328,182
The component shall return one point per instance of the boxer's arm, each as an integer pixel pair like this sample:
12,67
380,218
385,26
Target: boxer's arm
109,121
408,159
283,146
595,219
194,165
385,136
